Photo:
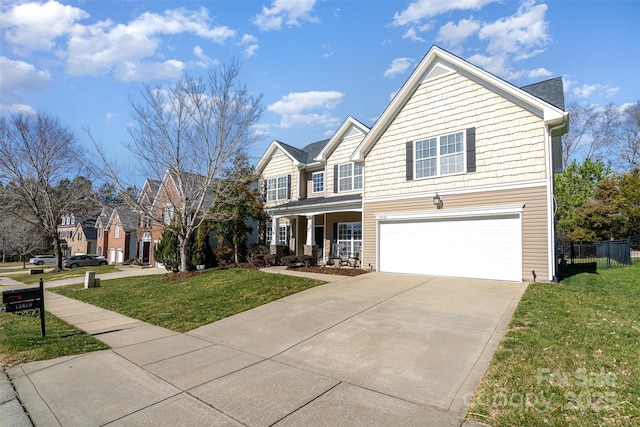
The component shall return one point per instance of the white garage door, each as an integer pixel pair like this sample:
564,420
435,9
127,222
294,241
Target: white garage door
488,247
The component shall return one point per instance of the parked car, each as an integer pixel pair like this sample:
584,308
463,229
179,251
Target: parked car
43,259
83,261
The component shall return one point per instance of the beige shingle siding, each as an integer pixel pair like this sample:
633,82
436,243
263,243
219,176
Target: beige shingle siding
281,165
534,223
510,141
342,154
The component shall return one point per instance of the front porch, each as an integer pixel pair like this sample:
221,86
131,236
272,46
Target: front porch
316,226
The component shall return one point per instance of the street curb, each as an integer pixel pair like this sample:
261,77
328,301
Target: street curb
11,410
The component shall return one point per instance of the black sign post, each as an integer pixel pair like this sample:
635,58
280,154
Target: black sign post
26,299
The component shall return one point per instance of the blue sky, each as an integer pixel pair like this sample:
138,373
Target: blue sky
315,62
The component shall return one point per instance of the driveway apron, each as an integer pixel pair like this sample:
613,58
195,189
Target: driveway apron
376,349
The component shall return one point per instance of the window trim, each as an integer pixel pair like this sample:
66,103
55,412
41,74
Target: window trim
351,177
278,188
439,156
313,182
351,242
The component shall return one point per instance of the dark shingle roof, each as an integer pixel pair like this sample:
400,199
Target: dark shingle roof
550,91
307,153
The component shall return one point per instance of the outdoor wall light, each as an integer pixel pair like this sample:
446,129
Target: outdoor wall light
437,201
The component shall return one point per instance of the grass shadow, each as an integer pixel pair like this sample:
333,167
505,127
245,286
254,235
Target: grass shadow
578,268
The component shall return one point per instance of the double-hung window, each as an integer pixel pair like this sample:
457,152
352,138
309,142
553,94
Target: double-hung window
283,235
317,182
349,238
443,155
350,176
277,188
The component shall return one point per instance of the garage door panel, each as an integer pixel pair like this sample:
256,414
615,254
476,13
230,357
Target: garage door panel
488,247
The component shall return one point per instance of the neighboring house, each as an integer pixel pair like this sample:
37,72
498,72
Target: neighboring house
121,229
455,178
77,235
102,235
148,232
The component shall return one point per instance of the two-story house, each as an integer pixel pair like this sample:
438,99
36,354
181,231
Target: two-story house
455,178
77,235
121,231
313,195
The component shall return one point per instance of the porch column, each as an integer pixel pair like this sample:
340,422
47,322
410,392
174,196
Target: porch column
310,230
274,231
310,248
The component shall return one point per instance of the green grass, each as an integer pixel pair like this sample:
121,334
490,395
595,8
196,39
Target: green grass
571,355
186,304
21,340
28,279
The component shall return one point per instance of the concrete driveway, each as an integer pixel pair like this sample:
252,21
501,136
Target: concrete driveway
376,349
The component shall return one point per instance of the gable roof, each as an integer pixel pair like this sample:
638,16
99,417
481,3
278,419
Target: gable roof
439,62
345,127
551,91
127,217
299,156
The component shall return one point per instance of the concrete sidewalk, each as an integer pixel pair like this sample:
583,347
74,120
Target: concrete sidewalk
376,349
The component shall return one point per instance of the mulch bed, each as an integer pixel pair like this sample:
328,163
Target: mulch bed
170,277
345,271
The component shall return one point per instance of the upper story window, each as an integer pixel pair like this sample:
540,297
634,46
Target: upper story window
317,182
116,232
349,177
278,188
443,155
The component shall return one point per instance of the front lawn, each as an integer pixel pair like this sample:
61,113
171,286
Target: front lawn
186,304
571,355
21,340
50,276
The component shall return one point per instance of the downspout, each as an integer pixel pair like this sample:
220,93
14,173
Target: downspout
551,200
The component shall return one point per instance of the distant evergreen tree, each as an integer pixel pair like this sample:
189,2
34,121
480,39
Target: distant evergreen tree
202,252
167,251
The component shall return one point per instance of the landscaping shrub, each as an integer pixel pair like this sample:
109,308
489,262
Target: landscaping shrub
297,260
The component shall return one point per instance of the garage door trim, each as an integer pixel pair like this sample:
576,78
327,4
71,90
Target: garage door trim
451,213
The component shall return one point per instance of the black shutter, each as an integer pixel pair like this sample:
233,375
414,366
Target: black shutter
335,232
289,187
335,179
471,150
409,161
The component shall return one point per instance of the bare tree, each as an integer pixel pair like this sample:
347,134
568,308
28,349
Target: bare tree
186,135
627,148
591,133
40,173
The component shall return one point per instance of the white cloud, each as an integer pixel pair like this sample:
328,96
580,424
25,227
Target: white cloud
588,90
412,35
17,109
131,51
539,73
398,66
34,26
307,108
421,10
453,34
127,49
284,12
109,117
519,33
19,76
250,44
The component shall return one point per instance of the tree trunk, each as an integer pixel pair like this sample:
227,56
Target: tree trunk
182,247
57,250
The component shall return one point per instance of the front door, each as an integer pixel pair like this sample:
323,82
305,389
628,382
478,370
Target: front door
319,241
